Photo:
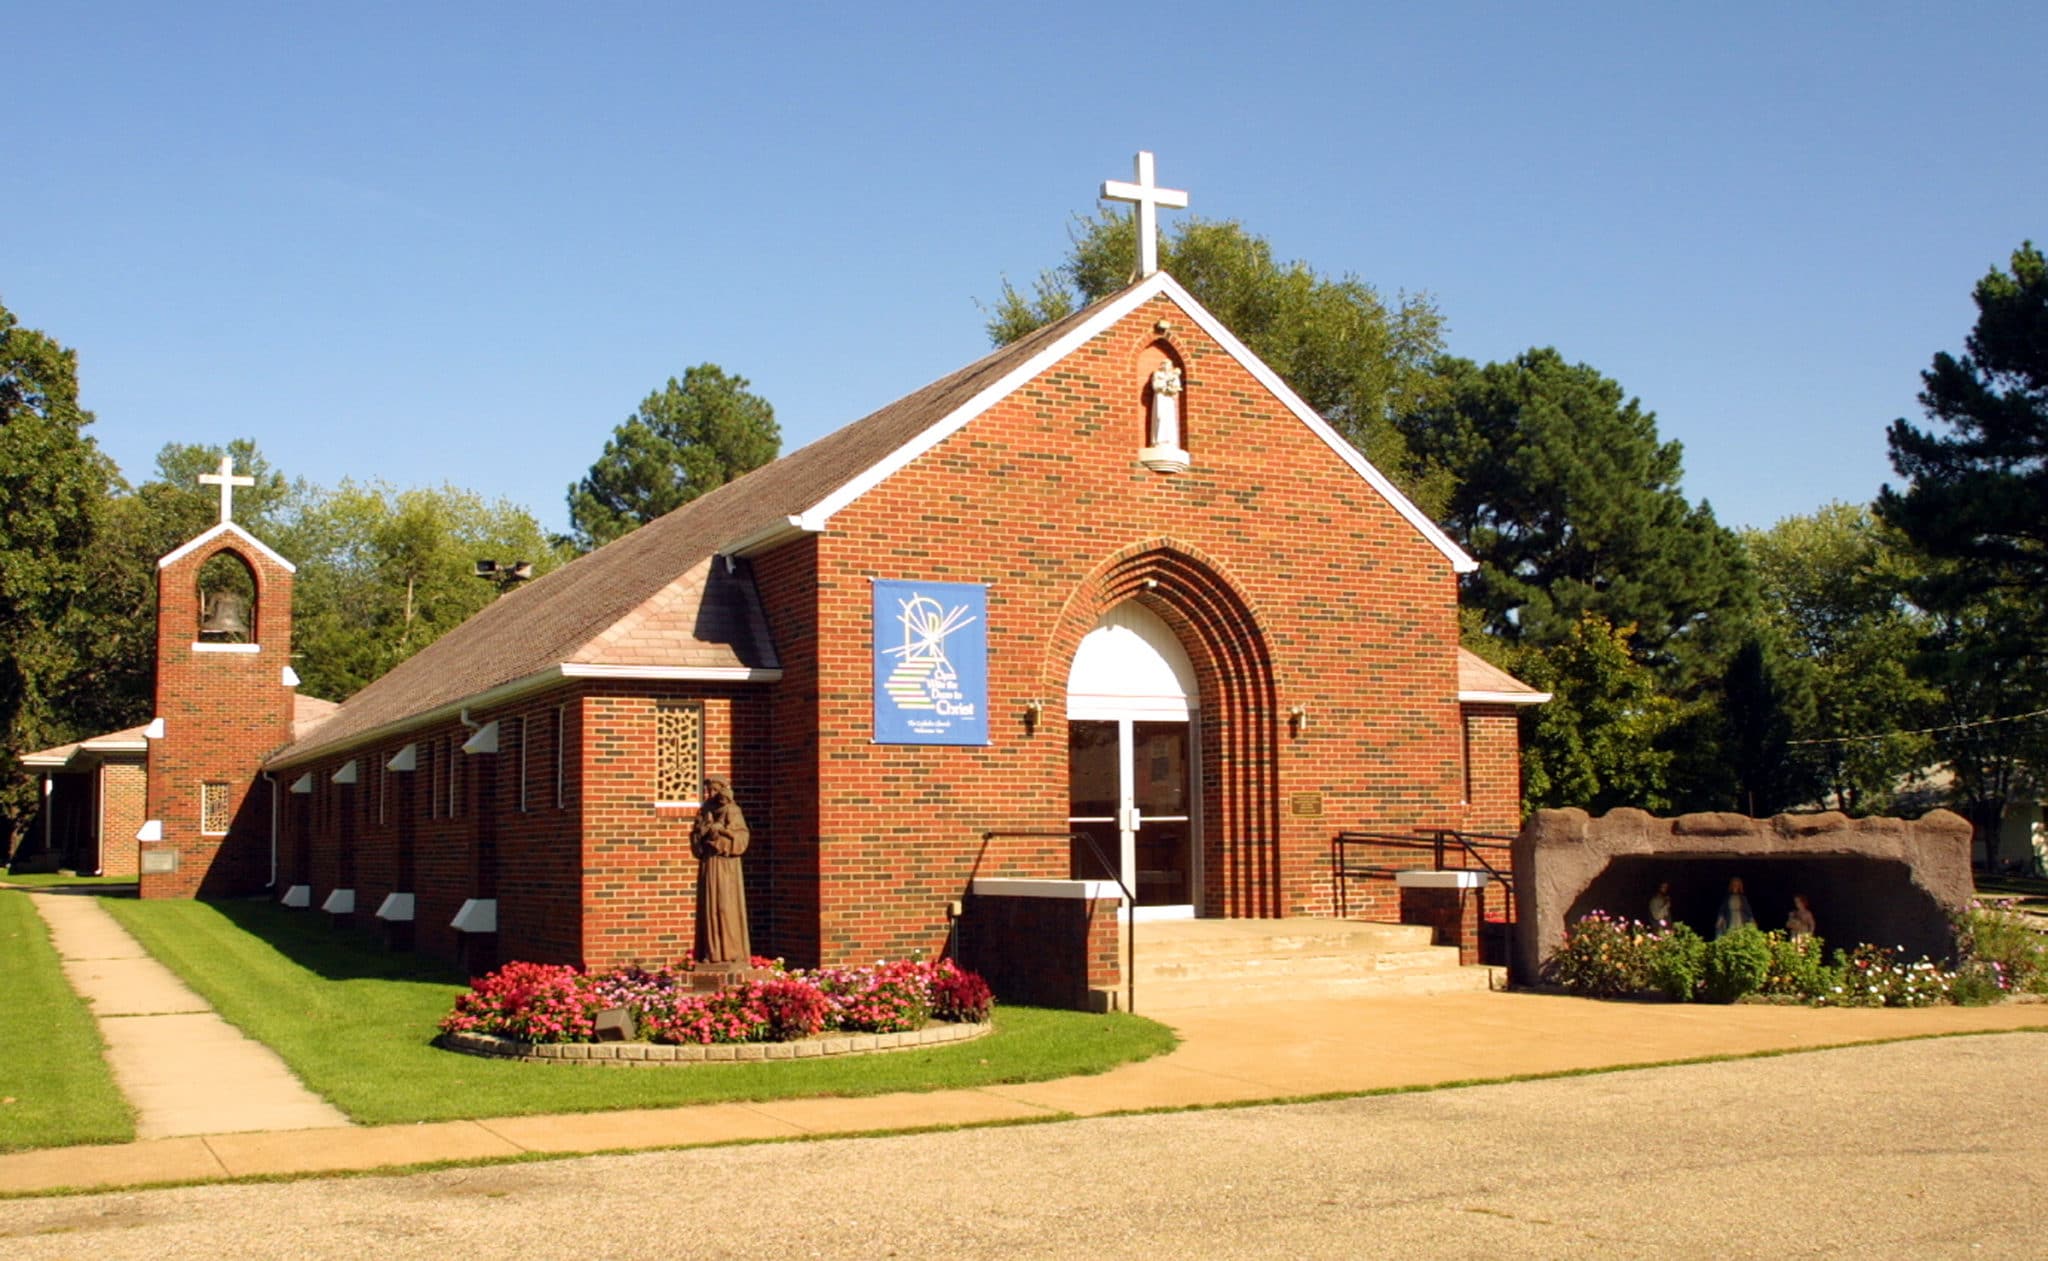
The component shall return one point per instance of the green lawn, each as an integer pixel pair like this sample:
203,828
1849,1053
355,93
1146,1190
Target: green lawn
356,1024
54,1086
62,880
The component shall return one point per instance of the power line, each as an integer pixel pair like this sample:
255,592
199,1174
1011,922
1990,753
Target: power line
1925,731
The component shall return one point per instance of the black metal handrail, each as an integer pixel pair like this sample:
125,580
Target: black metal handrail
1130,918
1440,842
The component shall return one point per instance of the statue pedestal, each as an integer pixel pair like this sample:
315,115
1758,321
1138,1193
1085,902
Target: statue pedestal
708,978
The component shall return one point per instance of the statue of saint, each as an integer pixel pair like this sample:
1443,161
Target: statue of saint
718,838
1735,911
1166,384
1800,922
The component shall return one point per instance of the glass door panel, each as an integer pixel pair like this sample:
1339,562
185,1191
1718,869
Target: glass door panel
1094,795
1160,789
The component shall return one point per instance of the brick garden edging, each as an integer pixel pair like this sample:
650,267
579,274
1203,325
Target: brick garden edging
648,1054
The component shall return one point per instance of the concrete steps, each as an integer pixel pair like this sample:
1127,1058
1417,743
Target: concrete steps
1184,964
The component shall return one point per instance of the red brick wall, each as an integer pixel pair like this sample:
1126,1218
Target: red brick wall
223,713
1290,580
1494,750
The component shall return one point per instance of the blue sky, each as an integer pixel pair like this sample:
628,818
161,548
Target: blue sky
431,243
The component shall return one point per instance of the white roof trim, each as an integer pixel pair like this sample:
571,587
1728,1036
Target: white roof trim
693,674
768,537
1351,455
114,746
818,516
47,762
1503,698
225,527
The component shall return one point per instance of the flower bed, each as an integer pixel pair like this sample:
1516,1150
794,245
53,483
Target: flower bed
544,1005
1604,956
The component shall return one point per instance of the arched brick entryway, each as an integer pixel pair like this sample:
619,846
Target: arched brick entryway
1240,722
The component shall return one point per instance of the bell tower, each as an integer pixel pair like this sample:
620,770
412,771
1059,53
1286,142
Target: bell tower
225,691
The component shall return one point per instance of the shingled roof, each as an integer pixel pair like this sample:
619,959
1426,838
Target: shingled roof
1480,681
657,597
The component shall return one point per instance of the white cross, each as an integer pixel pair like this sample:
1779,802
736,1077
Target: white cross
1148,197
227,481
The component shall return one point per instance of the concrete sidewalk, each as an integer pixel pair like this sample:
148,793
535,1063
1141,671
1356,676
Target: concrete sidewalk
1244,1053
184,1069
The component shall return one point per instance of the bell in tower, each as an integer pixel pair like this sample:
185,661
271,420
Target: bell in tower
226,618
227,600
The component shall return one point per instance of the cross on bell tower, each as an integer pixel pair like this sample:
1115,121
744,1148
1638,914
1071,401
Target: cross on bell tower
227,481
1146,198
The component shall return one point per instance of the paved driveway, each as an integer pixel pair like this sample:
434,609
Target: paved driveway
1922,1149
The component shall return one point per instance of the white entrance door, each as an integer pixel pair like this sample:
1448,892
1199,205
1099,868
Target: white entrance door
1131,727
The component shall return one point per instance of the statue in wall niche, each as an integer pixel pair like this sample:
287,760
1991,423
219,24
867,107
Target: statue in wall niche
1800,922
1660,904
1166,386
1735,911
718,838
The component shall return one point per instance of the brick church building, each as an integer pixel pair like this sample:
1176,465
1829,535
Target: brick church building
1110,610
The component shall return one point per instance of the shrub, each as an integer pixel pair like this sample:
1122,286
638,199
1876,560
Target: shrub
1735,965
1879,976
1602,957
1676,957
1978,984
2004,947
1798,967
533,1002
959,995
885,998
796,1009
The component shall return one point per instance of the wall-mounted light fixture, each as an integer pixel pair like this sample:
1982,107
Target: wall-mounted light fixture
1033,712
1297,720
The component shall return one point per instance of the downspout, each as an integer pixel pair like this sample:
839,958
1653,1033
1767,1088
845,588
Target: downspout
271,779
49,802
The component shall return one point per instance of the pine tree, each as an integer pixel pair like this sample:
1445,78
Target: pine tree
687,438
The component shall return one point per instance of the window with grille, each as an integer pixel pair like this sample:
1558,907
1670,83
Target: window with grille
679,752
213,809
454,747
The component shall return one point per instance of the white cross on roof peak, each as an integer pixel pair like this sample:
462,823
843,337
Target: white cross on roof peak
227,481
1147,197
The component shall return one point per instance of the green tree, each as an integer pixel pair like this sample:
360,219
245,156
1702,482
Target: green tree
1598,742
1975,492
1764,707
1990,680
1973,506
689,437
1356,360
53,479
1571,504
383,573
1832,587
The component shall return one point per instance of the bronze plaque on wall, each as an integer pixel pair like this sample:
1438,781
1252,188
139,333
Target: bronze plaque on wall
1307,805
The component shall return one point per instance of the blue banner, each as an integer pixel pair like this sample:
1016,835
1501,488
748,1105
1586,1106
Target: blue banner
931,662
